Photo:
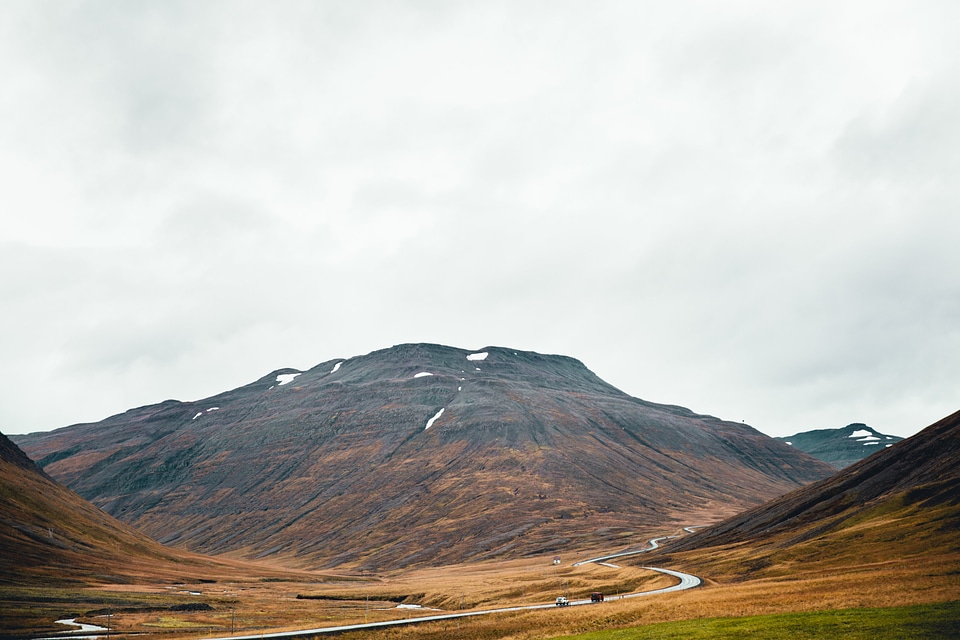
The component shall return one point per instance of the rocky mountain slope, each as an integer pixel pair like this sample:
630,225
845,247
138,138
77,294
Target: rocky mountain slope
416,454
842,447
911,488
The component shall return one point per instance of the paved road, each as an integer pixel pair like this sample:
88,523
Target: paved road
687,581
653,543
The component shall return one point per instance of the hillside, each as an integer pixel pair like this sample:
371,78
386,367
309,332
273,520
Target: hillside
907,494
61,557
842,447
48,534
417,454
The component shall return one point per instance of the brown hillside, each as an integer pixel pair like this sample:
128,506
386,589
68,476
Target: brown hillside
921,472
525,453
49,535
881,533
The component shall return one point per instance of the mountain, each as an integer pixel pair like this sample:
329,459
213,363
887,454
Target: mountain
842,447
907,494
49,534
417,454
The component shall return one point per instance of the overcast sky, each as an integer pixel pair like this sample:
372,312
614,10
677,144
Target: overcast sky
751,209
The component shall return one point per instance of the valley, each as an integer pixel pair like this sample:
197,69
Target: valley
472,501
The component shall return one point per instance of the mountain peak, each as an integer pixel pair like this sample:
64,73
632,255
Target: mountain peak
843,446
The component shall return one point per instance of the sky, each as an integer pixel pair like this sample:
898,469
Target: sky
750,209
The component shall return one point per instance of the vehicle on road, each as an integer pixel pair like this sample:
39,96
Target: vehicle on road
596,596
562,601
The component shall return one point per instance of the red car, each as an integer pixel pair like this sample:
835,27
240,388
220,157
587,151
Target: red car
596,596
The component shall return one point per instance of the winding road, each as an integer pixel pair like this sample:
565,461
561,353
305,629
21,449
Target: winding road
653,543
687,581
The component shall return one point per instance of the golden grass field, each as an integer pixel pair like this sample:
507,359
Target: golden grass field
859,566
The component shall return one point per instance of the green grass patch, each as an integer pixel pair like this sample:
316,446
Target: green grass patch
167,622
921,621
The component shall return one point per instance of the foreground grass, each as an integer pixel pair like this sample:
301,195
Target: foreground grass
921,621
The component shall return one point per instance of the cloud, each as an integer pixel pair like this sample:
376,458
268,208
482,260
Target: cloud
747,209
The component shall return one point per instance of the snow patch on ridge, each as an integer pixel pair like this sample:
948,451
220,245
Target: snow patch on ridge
286,378
433,419
423,374
335,367
859,433
478,356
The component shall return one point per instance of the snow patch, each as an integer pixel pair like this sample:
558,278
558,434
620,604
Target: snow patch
213,409
790,443
335,367
869,439
859,433
286,378
197,416
423,374
478,356
433,419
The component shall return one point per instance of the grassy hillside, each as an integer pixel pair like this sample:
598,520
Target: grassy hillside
60,556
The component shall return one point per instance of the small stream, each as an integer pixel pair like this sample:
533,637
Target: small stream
83,632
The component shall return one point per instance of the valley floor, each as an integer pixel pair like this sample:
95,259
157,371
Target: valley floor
245,605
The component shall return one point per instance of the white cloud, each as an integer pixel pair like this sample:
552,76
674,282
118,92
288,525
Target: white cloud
746,209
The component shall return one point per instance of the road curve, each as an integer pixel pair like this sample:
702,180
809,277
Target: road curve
687,581
653,544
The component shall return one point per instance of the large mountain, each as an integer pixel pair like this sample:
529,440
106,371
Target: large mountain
414,454
842,447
